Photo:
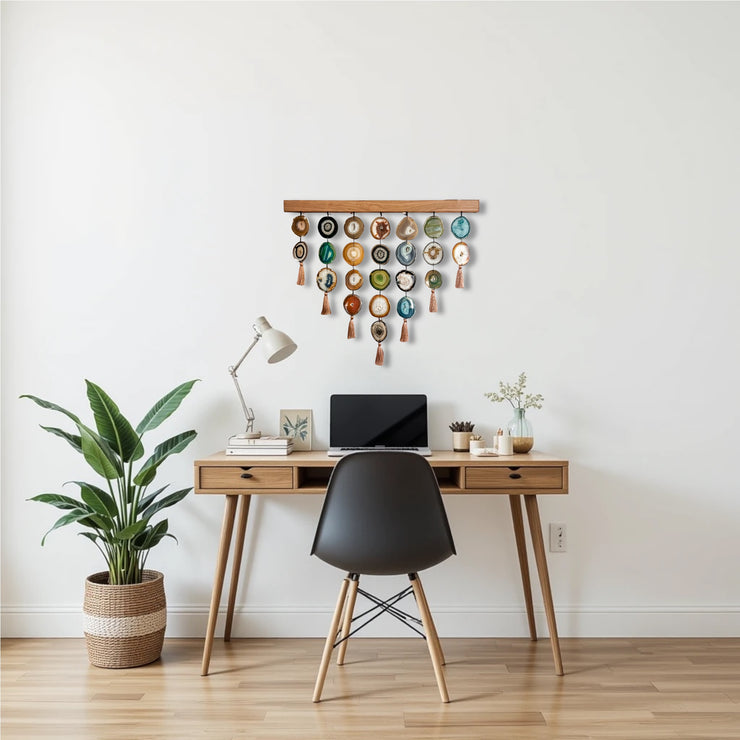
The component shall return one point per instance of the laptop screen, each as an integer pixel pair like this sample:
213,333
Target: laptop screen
366,420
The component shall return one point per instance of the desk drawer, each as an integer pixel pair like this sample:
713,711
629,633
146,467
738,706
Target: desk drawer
247,476
513,477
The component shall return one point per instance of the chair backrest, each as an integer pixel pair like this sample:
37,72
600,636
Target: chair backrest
383,515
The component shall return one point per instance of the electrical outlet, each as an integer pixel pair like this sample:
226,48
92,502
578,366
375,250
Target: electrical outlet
558,537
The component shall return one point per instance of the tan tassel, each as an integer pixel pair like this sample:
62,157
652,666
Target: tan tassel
351,328
379,355
433,303
301,275
325,308
405,331
459,282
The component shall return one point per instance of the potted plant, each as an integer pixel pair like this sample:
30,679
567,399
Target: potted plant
519,427
125,608
461,433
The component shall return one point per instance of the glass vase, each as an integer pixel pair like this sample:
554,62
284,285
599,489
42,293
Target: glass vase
521,432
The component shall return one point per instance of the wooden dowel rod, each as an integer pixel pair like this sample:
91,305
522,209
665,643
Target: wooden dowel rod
381,206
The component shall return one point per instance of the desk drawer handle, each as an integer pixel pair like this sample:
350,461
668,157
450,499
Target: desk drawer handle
511,475
247,475
514,467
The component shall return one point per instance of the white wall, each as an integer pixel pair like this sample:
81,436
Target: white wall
147,149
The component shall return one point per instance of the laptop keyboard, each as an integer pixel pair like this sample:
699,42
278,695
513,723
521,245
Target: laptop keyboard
383,449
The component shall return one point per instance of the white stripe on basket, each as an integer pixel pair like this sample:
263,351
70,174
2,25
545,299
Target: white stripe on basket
144,624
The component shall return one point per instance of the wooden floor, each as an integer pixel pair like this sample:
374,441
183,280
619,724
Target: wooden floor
618,689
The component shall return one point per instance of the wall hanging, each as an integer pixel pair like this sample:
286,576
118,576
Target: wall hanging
380,230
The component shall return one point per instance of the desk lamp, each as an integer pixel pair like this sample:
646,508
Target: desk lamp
276,346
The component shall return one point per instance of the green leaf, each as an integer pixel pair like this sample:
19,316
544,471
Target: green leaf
104,498
150,497
161,452
73,439
52,407
131,531
99,455
75,515
170,500
100,506
112,425
56,499
166,405
152,536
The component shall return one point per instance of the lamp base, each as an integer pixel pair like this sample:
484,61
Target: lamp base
248,435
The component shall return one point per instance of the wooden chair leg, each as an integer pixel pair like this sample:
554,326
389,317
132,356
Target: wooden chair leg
349,609
331,637
426,618
433,632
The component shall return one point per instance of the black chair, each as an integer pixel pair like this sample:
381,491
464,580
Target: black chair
383,515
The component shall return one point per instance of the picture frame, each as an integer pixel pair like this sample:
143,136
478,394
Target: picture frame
297,423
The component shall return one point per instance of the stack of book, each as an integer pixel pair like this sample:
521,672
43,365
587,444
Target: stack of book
264,445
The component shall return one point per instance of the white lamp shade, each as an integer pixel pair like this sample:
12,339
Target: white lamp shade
276,345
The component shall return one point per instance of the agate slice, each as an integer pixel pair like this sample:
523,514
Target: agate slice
326,279
379,331
405,280
433,279
300,251
407,228
300,225
380,279
433,253
380,254
352,304
353,253
461,253
380,228
328,227
406,253
433,227
353,280
405,307
327,253
460,227
379,306
353,227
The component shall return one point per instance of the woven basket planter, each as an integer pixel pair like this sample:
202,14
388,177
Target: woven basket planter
124,625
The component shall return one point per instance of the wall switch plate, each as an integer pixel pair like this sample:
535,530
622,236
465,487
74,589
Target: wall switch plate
558,537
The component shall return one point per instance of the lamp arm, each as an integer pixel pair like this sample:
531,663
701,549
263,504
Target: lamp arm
248,414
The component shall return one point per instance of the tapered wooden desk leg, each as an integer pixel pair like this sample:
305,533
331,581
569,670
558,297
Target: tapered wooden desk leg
349,609
538,544
241,529
521,548
218,581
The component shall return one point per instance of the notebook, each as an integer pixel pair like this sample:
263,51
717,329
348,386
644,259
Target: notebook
378,422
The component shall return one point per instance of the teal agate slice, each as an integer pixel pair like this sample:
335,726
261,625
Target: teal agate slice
460,227
327,253
405,307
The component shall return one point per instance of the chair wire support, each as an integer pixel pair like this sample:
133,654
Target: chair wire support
382,607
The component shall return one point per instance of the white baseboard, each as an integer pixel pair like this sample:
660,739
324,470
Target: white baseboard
187,620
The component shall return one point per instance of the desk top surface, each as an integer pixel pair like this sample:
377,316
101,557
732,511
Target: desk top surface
439,458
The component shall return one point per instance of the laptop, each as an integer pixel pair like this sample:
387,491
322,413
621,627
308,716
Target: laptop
372,421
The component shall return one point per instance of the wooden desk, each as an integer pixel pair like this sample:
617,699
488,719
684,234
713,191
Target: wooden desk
238,478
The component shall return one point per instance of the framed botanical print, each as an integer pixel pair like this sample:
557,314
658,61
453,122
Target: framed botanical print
297,423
